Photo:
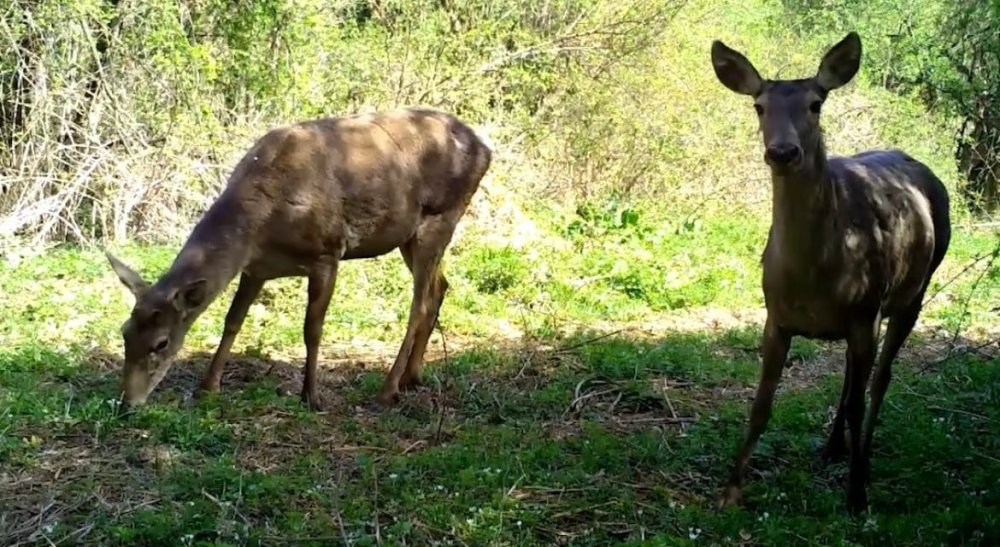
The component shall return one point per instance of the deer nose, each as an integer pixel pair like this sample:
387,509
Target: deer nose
783,154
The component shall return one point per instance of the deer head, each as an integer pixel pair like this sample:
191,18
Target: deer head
788,110
155,329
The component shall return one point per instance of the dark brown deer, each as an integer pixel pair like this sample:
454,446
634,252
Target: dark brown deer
853,240
304,198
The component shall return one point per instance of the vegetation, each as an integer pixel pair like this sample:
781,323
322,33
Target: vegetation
945,54
589,380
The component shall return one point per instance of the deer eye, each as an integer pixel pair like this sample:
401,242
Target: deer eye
815,106
161,344
759,109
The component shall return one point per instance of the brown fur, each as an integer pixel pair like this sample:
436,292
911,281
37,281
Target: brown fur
303,198
853,240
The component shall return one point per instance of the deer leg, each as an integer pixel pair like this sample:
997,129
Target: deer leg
321,283
246,293
861,344
775,349
896,334
411,377
425,250
836,446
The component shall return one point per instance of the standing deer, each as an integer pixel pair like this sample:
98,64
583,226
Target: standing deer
853,240
302,199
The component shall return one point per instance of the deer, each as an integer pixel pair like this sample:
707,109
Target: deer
853,240
303,198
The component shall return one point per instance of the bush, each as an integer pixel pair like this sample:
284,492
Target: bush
492,270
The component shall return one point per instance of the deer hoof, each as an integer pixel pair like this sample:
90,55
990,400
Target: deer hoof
312,401
857,501
204,390
409,381
731,497
387,398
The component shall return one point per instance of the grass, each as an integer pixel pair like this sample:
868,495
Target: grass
589,389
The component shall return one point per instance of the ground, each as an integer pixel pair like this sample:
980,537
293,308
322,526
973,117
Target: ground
545,418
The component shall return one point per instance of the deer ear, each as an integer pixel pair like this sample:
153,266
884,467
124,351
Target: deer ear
127,276
192,295
735,71
840,63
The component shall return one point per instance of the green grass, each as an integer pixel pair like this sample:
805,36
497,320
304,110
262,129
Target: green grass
587,398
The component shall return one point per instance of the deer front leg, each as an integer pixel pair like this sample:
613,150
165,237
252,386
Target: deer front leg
246,293
836,446
775,349
861,344
321,283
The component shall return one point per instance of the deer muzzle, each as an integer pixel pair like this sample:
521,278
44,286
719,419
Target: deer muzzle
140,384
783,155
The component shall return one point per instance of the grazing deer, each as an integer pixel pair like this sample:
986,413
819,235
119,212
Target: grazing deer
302,199
853,240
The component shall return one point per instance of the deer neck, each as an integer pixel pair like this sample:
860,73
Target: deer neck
217,250
802,211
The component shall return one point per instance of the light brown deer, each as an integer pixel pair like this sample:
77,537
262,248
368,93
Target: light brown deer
853,240
302,199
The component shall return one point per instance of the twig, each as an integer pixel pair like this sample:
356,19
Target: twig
952,354
440,425
963,412
378,527
336,507
975,261
670,405
987,457
578,345
410,448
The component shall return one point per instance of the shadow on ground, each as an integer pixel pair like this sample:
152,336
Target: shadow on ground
591,439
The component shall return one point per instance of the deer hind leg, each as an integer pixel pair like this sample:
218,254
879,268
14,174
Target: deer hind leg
775,349
246,293
411,377
896,334
321,282
424,250
861,346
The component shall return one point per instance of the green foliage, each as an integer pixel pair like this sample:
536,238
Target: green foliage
600,219
493,270
945,53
